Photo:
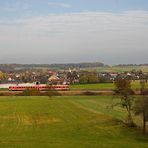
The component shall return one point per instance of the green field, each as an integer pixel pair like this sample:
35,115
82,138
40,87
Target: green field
92,86
117,68
101,86
64,122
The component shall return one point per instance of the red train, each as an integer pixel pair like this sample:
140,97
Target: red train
40,87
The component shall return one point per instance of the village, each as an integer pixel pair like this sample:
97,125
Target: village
68,76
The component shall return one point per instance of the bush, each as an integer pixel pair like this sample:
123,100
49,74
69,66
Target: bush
89,93
1,94
51,93
30,92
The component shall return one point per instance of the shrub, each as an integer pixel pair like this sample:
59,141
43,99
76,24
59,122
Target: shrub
30,92
89,93
51,93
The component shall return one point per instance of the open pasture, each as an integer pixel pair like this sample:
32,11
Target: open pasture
101,86
117,68
64,122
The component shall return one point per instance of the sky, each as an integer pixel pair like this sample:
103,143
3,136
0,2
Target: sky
72,31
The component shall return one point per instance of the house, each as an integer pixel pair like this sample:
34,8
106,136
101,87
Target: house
54,79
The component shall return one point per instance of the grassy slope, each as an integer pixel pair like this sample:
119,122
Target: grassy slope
64,122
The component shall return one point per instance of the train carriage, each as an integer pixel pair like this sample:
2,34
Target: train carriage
40,87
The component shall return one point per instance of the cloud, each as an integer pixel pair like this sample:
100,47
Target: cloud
63,5
85,36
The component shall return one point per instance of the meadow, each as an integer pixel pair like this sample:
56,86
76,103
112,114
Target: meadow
117,68
65,122
101,86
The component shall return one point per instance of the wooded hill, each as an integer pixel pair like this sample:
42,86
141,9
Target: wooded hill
11,67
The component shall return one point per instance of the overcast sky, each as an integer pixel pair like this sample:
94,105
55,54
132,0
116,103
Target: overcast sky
63,31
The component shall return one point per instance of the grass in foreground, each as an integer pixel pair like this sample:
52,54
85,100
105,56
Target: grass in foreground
64,122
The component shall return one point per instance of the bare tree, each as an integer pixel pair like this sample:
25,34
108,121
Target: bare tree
124,91
141,105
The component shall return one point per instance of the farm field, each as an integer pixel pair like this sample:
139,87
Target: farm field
118,68
64,122
92,86
101,86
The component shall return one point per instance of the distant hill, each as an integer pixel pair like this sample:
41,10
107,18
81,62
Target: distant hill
78,65
125,65
12,67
